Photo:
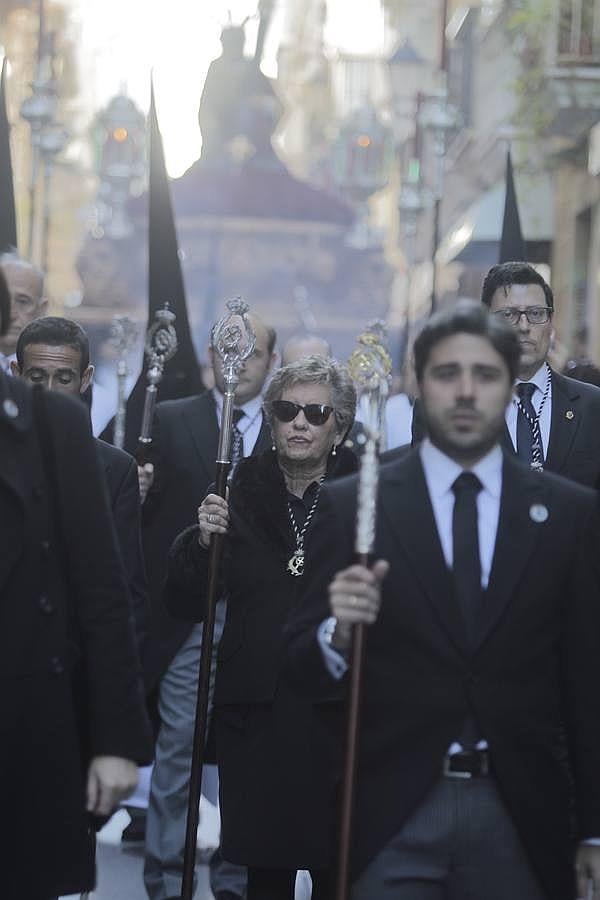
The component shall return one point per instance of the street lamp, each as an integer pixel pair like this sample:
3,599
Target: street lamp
362,156
52,141
410,205
121,137
438,118
38,111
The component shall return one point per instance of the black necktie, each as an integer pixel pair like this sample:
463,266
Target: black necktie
525,390
466,566
237,439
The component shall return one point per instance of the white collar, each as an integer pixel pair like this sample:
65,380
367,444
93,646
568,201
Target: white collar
539,378
441,471
251,408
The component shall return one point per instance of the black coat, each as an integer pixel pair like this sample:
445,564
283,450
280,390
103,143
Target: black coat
276,762
52,538
185,443
574,444
531,679
120,472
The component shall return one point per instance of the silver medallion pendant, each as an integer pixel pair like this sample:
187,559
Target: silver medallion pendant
295,564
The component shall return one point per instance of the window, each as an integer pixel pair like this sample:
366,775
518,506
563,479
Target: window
579,31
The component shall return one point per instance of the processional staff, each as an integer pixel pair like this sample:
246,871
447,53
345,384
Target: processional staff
370,366
123,333
234,341
160,347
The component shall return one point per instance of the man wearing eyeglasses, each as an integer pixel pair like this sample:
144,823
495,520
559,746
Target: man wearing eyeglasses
552,422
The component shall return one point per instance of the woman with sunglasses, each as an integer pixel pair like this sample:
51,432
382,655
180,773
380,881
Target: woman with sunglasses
276,759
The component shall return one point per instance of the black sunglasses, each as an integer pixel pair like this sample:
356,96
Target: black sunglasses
315,413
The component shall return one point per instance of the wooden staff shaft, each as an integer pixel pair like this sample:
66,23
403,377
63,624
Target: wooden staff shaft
201,722
351,756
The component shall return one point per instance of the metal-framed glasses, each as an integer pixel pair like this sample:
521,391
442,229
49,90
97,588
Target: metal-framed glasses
314,413
535,315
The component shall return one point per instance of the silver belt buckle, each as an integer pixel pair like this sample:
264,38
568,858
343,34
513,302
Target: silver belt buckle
448,773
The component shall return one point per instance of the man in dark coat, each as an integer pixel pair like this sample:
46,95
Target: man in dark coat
480,733
55,352
63,598
26,301
185,440
561,413
564,413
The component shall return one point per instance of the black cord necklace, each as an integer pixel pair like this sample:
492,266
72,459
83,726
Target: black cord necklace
537,456
295,564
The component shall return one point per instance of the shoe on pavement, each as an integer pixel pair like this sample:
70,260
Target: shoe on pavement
135,832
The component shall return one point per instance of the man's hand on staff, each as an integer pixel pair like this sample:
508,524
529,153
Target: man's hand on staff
355,597
213,518
145,479
110,780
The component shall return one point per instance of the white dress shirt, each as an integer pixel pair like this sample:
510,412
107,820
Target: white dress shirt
440,474
539,379
397,420
250,425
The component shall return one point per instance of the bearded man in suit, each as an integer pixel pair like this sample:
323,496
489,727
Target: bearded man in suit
480,733
185,442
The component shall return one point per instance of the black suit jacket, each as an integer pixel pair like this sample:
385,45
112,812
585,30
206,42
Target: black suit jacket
60,575
120,472
184,450
574,444
532,677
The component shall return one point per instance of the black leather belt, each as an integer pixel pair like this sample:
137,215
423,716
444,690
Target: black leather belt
467,764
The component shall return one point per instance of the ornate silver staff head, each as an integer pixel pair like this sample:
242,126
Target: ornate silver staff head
234,341
123,334
160,347
161,343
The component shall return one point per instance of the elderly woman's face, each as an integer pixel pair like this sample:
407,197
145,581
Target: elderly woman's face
299,440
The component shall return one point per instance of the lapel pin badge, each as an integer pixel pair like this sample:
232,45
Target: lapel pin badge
538,512
10,408
569,414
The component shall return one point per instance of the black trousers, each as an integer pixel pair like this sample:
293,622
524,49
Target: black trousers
278,884
459,844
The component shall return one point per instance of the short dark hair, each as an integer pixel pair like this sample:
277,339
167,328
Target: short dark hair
56,332
467,317
504,275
